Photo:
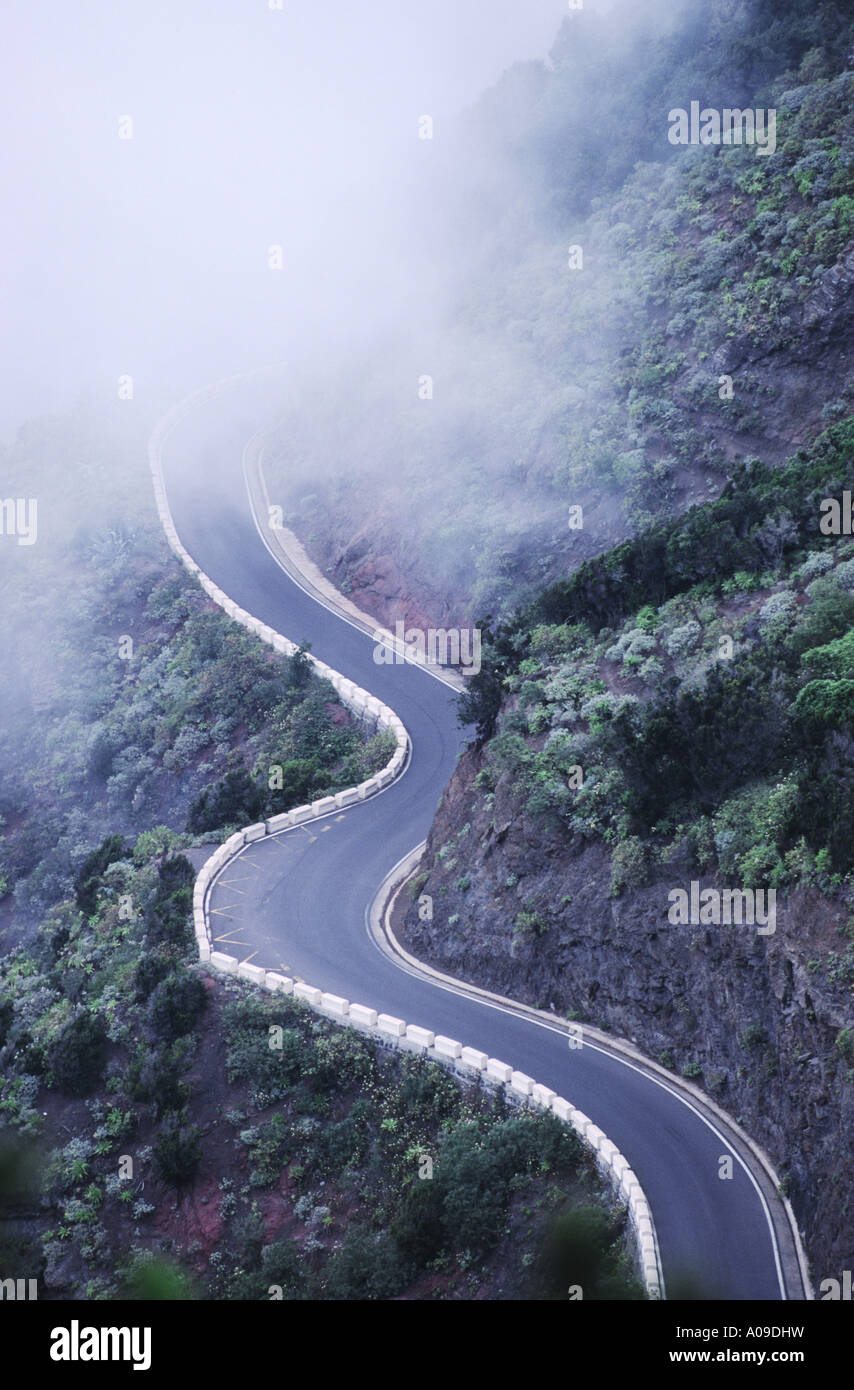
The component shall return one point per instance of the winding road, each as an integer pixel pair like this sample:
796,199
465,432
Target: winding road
300,902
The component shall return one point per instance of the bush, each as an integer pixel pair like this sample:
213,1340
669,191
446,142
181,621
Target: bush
177,1151
155,1077
629,865
88,880
78,1054
268,1071
579,1250
152,968
176,1005
418,1227
682,639
282,1265
168,919
233,800
7,1014
366,1267
822,703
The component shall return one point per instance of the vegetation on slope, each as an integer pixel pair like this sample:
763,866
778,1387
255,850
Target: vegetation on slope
706,699
604,386
185,1137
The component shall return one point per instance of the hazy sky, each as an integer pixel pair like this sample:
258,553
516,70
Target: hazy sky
252,127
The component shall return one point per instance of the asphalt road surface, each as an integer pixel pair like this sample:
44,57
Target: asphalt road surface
298,901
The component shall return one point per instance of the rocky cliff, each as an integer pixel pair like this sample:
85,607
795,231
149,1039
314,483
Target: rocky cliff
750,1018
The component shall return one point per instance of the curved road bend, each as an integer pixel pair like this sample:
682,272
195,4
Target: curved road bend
298,901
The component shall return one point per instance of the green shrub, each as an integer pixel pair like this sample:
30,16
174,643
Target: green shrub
580,1250
152,967
177,1151
154,1076
167,921
365,1267
176,1005
88,880
78,1054
232,800
629,865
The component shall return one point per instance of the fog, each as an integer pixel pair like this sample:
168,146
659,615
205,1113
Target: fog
250,128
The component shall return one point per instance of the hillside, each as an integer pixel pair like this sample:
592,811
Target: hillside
602,386
153,1144
681,711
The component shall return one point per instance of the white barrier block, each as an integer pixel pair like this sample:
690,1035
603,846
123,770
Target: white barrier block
629,1185
498,1071
543,1095
368,788
365,1017
422,1037
387,1023
308,993
256,974
447,1047
280,822
619,1167
472,1058
326,803
254,832
226,964
334,1004
384,778
644,1229
347,798
562,1109
281,984
204,951
595,1137
608,1152
520,1083
299,814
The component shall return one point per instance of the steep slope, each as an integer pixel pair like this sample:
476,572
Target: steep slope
704,737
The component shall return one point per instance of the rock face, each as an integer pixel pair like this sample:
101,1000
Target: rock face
750,1018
